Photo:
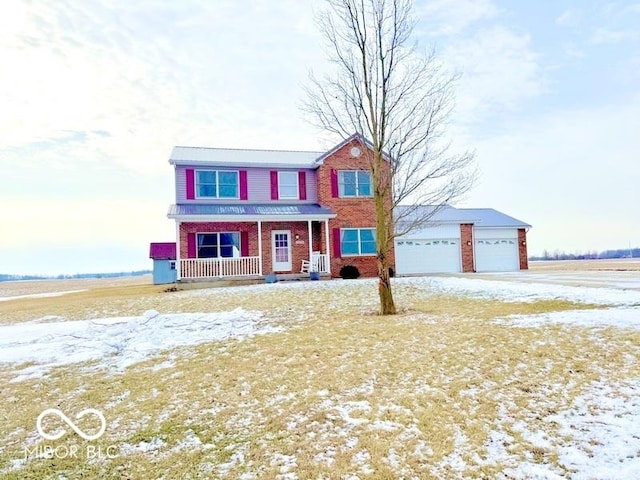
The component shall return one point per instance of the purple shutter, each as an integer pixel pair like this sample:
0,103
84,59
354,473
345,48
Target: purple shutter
191,245
302,185
243,185
191,184
334,183
244,244
274,185
337,251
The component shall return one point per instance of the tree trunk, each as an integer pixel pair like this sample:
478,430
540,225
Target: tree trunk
383,236
387,305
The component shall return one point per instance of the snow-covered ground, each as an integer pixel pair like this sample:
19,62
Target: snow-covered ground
588,278
521,288
40,295
599,429
118,342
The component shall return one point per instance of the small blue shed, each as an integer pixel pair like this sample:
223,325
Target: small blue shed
164,262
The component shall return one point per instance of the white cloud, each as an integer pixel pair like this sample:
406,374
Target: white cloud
450,17
573,51
569,18
500,70
65,221
603,35
81,67
634,8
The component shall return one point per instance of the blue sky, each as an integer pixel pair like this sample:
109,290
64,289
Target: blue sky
95,94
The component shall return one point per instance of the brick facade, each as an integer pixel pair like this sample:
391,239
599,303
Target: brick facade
350,212
299,245
522,249
466,247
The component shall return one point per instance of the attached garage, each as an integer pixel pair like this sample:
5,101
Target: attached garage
464,240
496,250
428,256
432,250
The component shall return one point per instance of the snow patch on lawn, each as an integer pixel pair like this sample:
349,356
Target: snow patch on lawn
604,430
121,341
41,295
143,447
514,291
610,317
597,437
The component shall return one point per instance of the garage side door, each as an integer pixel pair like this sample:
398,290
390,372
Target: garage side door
497,255
414,257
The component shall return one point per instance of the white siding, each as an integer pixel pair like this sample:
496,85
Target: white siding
258,186
495,233
181,185
451,230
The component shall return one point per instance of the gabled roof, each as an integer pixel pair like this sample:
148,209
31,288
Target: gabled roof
480,217
250,212
356,136
162,250
489,217
242,157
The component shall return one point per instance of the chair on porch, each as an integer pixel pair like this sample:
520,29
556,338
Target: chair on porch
311,265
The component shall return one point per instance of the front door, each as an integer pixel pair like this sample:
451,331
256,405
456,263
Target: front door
281,250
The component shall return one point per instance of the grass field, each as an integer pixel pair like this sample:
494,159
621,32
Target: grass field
453,387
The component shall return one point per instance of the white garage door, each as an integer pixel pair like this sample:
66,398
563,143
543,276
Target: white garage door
427,256
497,255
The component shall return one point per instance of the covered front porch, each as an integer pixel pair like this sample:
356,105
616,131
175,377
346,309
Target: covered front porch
215,245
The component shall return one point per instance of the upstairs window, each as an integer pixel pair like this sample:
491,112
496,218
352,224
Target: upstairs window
217,184
217,245
357,241
354,183
288,185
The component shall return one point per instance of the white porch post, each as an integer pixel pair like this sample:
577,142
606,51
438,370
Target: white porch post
259,247
328,248
310,245
178,272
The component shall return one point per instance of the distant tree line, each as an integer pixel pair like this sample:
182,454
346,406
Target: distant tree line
9,278
562,255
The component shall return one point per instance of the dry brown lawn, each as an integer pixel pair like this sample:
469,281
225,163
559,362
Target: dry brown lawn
340,393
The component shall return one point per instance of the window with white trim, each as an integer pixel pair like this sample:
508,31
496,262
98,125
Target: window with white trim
357,241
218,245
217,184
288,185
354,183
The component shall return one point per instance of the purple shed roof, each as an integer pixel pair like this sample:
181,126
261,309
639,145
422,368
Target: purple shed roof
162,251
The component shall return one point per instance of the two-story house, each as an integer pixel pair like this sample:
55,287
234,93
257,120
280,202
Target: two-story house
256,212
250,213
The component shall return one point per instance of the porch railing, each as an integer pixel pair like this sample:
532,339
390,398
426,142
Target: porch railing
219,267
322,265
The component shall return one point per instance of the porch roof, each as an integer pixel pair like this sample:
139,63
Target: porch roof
252,212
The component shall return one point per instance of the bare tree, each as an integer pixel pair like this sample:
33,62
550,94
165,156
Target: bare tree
399,100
